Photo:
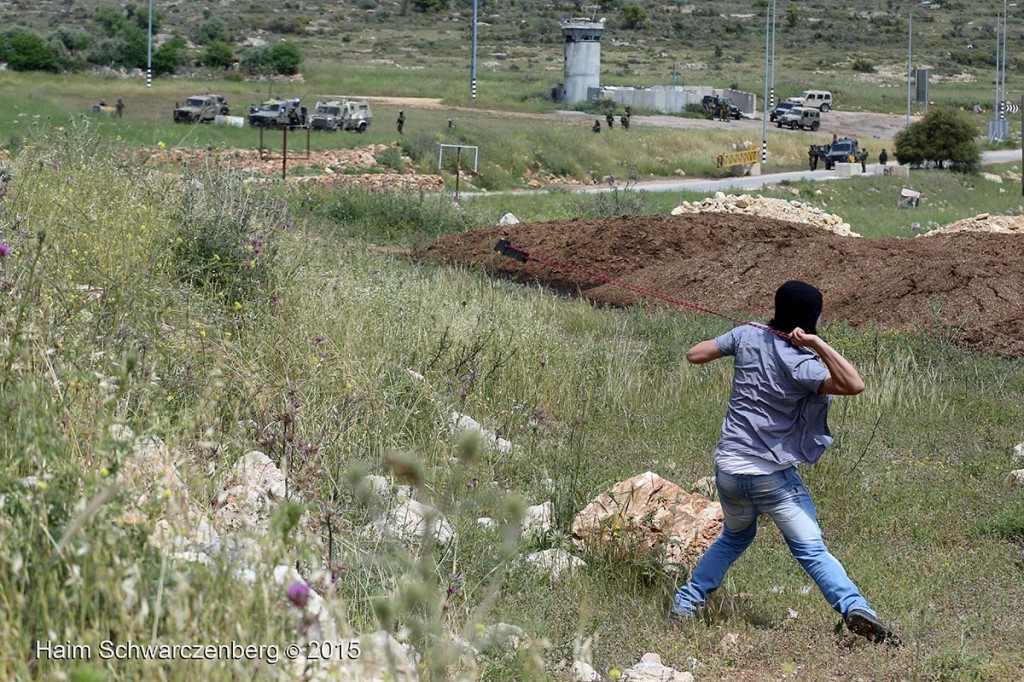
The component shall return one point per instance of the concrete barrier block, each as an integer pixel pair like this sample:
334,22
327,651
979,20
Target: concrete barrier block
847,170
896,171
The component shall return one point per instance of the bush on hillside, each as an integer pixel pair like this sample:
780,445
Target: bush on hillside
212,30
943,136
283,58
217,55
634,17
24,50
123,41
862,65
170,56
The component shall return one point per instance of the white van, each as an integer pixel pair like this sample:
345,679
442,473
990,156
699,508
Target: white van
815,99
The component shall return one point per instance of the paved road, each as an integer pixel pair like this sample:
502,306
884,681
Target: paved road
747,182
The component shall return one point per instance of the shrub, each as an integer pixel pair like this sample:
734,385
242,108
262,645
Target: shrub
217,55
27,51
863,65
212,30
943,135
171,55
226,238
634,17
284,58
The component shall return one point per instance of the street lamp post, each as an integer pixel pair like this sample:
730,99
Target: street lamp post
1002,63
149,49
764,117
472,61
771,94
910,51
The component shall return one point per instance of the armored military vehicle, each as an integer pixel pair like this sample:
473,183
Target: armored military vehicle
843,150
201,109
713,105
341,114
278,113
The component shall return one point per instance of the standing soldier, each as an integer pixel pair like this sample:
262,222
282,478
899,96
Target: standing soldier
883,158
609,119
120,107
624,120
629,111
812,157
863,158
400,123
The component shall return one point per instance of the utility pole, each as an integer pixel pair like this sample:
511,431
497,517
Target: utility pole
771,99
472,60
764,118
149,49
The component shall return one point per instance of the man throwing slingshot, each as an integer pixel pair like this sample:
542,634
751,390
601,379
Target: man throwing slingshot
775,421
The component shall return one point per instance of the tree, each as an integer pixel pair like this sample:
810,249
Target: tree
428,5
27,51
634,17
210,30
792,16
169,56
943,135
217,55
284,58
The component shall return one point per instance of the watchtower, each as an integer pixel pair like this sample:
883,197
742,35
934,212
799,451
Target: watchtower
582,57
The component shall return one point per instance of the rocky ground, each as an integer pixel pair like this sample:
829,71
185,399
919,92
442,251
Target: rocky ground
968,286
334,166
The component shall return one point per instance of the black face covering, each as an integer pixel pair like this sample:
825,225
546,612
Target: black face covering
797,304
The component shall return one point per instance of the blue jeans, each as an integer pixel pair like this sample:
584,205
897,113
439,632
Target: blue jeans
782,496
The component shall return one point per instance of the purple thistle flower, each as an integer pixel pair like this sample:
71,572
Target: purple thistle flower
4,250
298,594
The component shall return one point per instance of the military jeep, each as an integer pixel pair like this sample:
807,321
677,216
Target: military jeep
278,113
341,114
201,109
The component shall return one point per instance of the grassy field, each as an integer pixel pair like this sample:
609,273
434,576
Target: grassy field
138,299
209,311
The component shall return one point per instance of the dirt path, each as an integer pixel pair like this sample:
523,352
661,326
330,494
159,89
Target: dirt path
862,125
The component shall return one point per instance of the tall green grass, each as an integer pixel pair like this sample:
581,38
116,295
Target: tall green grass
103,328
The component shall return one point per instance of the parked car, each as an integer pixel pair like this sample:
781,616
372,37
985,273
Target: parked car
711,104
800,117
814,99
779,110
201,108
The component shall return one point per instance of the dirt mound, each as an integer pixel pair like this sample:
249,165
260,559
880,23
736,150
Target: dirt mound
985,222
766,207
968,285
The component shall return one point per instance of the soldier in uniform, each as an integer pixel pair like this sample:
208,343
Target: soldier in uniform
400,123
629,111
862,156
624,120
883,158
812,157
120,107
609,119
597,125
